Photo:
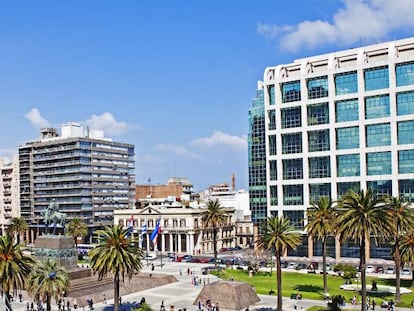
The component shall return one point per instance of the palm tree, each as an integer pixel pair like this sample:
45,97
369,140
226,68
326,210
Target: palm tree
18,227
76,227
15,266
278,234
321,216
402,217
213,218
116,253
362,214
406,249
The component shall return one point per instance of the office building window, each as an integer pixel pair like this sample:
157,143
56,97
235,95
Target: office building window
272,145
382,187
376,78
318,140
347,137
273,169
346,110
319,167
347,165
405,103
377,107
292,169
291,117
293,194
406,189
273,195
318,114
346,83
378,135
405,130
343,187
317,191
404,73
290,91
271,94
292,143
272,119
405,161
317,87
379,163
296,219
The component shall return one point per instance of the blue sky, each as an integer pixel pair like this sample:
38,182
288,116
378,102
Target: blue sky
174,78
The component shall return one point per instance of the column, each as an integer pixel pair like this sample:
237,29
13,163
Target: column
148,242
310,246
179,250
171,243
191,242
162,242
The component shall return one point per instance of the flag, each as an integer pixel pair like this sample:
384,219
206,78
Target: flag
157,230
130,226
143,231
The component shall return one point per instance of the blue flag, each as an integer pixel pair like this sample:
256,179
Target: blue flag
157,230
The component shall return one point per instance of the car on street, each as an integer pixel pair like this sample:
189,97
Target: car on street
390,270
150,257
369,269
406,271
379,269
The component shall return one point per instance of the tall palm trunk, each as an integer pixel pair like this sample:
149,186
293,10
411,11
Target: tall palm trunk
362,267
279,281
397,261
215,245
7,301
325,280
48,306
116,291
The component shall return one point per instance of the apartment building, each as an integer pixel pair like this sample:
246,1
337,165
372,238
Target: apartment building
9,192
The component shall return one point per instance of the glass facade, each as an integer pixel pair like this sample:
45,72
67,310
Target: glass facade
376,78
348,165
406,189
405,161
272,119
272,145
347,137
405,103
271,94
296,218
404,73
317,191
379,163
405,130
318,114
343,187
318,140
377,107
346,83
273,195
292,143
346,110
291,117
292,169
382,187
273,170
317,87
319,167
378,135
293,194
290,91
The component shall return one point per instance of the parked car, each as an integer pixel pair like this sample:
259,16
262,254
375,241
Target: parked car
379,269
406,271
291,265
150,257
369,269
390,270
301,266
187,258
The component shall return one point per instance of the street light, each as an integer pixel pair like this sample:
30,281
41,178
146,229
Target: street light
49,276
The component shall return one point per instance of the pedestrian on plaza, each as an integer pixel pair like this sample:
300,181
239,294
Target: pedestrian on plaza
162,308
20,297
152,267
120,300
181,271
104,298
373,304
188,271
27,306
68,305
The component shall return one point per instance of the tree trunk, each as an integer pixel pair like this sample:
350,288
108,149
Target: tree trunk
278,281
325,280
215,245
397,261
116,291
48,306
7,301
362,265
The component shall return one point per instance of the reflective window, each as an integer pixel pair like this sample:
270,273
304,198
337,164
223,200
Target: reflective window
347,137
346,110
405,130
343,187
376,78
347,165
405,103
382,187
377,107
273,169
292,169
273,195
379,163
318,140
406,161
272,145
290,91
291,117
318,114
317,191
319,167
318,87
404,73
292,143
346,83
293,194
271,94
406,189
296,219
272,119
378,135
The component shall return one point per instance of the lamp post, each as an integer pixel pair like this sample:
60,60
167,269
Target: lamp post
7,302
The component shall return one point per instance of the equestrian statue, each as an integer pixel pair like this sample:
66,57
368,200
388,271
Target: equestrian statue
53,218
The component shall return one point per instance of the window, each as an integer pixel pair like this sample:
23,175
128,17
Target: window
318,140
404,73
273,195
273,169
377,107
405,130
382,187
293,169
291,117
347,165
378,135
271,94
405,161
405,103
406,189
346,110
346,83
376,78
347,137
317,191
343,187
293,194
272,119
379,163
290,91
318,114
318,87
296,219
292,143
319,167
272,144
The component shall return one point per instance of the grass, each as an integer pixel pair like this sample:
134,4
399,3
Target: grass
310,286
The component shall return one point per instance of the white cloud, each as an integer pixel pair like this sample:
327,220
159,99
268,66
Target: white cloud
7,154
366,20
107,123
222,140
177,150
36,119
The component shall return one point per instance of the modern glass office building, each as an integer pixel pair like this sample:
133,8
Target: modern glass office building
339,121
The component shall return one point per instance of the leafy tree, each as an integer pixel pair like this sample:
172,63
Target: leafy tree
406,249
116,253
48,279
76,227
348,271
18,227
213,218
321,216
143,307
15,266
362,214
278,234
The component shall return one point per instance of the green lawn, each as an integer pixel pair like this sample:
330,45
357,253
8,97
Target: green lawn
310,286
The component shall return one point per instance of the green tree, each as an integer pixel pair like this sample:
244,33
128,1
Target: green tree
15,266
18,228
402,218
75,228
116,253
48,279
321,216
213,218
278,234
406,248
362,215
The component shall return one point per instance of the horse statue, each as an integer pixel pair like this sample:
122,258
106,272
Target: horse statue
53,217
